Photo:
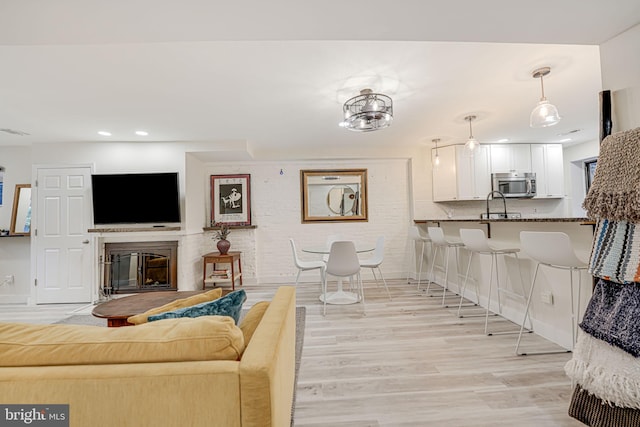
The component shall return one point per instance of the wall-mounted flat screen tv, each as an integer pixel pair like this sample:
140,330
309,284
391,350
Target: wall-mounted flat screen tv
136,198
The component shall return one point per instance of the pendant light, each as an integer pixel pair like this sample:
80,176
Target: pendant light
472,143
436,159
544,114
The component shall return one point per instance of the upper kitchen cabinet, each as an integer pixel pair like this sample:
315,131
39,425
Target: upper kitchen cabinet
507,158
460,176
548,165
474,173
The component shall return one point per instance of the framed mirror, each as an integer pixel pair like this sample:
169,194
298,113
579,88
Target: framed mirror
21,213
334,195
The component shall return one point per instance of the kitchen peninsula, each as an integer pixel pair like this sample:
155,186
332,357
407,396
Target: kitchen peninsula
552,297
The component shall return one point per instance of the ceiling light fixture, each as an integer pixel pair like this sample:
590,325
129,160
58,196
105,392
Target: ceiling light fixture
544,114
142,133
104,133
436,159
367,111
472,143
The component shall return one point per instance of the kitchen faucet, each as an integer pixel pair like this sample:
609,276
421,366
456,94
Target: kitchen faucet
504,201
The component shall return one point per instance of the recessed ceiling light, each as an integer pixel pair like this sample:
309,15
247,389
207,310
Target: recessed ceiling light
142,133
565,140
104,133
503,140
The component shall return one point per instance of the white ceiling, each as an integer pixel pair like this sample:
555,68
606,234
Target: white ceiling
272,76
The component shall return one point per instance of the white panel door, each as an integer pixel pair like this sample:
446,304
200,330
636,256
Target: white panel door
63,252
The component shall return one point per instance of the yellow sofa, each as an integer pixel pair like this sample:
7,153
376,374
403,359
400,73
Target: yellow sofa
256,390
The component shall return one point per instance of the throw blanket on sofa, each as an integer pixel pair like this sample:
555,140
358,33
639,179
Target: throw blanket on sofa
615,253
612,315
615,193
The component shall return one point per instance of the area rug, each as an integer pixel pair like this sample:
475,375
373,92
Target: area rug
301,313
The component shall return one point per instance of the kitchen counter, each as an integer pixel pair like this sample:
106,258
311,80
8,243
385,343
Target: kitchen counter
484,221
550,317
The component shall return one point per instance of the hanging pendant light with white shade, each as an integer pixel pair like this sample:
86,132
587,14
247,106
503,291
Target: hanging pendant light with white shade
436,159
472,143
544,114
367,111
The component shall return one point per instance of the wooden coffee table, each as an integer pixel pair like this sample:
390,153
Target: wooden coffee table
118,310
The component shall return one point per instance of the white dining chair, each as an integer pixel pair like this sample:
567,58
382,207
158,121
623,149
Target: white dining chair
329,240
374,263
303,265
439,241
552,249
415,236
343,263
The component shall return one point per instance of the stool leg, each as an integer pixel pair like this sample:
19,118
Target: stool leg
421,262
430,277
457,274
464,285
446,275
524,292
486,317
526,310
463,290
526,314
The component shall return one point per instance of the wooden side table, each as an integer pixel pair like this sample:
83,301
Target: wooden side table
216,258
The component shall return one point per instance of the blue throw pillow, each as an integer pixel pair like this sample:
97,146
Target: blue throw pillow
228,305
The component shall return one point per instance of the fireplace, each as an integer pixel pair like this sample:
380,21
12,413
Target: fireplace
140,267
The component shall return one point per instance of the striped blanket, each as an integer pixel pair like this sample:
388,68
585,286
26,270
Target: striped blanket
615,253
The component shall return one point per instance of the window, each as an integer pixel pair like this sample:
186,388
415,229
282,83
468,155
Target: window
590,172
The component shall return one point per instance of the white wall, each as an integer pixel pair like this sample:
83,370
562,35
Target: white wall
14,251
276,211
574,158
620,64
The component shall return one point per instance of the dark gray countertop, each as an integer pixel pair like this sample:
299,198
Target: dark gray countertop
483,221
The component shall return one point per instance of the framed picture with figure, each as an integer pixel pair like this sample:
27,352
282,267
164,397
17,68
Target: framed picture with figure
231,199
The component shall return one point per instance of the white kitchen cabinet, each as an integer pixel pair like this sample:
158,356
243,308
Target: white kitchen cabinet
474,173
459,176
548,165
507,158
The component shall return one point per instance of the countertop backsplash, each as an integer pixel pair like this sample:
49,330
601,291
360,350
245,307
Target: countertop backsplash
528,208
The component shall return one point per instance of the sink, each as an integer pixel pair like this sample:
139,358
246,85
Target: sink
501,215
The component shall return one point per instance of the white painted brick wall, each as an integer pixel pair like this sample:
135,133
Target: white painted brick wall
275,198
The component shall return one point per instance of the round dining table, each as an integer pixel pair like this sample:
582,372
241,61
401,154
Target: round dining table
340,297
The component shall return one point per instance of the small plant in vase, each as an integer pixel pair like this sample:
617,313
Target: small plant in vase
220,235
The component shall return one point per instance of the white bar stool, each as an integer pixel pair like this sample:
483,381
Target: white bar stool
439,241
552,249
476,242
416,236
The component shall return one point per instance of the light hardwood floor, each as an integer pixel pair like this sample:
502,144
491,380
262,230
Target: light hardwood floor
406,363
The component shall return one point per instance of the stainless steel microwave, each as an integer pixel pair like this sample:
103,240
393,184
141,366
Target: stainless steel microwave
514,184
